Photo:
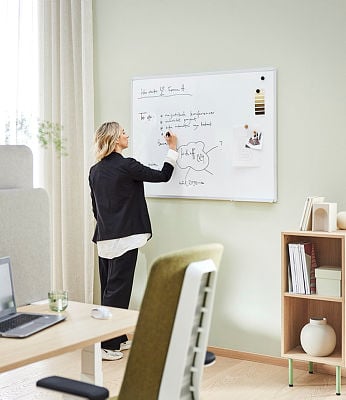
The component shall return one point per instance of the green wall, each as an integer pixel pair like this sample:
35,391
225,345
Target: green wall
306,41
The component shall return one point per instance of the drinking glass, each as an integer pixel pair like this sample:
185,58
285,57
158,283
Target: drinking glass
58,299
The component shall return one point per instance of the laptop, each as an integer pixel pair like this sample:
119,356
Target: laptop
15,324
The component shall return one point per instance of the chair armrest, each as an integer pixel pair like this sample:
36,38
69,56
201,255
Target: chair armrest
71,386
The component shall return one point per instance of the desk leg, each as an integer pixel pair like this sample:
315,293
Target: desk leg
91,364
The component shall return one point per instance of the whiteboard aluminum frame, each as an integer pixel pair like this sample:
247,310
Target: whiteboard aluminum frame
269,199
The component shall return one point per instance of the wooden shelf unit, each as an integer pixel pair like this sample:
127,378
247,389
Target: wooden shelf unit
297,309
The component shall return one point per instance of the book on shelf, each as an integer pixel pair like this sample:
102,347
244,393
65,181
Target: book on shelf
310,251
289,278
306,219
302,265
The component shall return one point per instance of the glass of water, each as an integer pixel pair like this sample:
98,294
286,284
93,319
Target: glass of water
58,300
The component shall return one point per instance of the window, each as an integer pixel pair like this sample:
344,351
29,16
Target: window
19,74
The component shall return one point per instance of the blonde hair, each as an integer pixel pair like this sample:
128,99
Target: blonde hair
105,139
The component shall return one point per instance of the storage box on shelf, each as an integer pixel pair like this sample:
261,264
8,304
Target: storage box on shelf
297,309
328,281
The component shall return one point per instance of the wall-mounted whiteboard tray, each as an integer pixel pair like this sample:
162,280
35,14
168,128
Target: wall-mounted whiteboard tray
226,128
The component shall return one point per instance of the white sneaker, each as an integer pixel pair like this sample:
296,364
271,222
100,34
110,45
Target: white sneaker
111,355
125,345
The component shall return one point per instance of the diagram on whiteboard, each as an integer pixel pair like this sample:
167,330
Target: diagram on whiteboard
225,128
194,157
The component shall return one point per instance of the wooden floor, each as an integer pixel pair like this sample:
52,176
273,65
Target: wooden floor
226,379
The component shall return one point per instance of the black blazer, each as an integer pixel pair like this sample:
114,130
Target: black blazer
117,194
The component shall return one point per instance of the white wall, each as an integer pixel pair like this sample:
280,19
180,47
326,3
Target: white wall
306,41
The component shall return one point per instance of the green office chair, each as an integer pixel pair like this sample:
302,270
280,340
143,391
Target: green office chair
169,345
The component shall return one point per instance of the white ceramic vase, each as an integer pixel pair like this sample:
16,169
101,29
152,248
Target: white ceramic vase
318,338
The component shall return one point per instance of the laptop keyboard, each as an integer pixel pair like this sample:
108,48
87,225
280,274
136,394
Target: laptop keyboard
16,321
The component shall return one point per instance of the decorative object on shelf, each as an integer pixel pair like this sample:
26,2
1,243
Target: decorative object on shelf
341,220
318,338
324,217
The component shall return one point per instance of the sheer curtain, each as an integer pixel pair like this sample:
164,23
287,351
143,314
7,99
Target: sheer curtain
19,74
66,98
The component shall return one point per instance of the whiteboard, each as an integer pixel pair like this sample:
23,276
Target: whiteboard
226,128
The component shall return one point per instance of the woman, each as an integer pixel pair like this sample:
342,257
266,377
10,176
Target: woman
122,218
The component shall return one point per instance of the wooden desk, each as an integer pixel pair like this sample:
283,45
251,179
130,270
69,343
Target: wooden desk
78,331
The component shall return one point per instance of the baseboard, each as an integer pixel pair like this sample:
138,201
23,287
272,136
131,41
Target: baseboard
281,362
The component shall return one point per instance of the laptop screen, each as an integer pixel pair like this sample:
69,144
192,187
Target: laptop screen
7,303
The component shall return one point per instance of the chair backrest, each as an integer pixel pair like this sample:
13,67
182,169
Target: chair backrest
24,225
186,354
167,355
16,167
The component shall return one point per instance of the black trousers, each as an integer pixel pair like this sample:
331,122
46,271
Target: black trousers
116,278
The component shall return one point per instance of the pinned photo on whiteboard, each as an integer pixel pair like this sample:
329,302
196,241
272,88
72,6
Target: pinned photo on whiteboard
255,140
243,154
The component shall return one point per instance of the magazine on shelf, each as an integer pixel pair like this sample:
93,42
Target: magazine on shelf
302,265
296,269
